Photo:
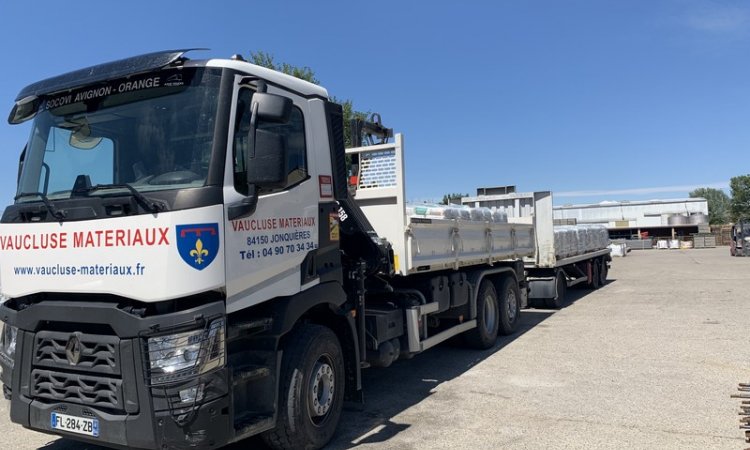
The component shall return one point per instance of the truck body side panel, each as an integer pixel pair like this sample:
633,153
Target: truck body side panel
427,244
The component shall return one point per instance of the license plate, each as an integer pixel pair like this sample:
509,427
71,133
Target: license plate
78,425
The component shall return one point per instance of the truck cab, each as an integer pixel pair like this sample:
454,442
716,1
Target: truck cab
159,200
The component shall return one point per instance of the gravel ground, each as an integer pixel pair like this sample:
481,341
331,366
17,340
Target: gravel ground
648,361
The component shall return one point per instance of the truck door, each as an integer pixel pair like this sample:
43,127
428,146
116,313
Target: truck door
265,250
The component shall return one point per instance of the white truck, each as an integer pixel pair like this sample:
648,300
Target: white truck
564,256
184,265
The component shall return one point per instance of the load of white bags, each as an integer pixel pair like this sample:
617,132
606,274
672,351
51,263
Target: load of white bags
572,240
463,212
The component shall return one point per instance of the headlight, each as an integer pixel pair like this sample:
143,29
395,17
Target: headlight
182,355
8,343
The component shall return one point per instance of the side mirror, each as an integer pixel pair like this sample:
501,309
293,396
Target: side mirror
267,168
271,108
265,162
23,110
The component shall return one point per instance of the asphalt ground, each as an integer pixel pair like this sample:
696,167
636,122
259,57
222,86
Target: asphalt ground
646,362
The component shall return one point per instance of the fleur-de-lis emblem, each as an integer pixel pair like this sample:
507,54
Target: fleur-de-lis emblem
198,244
199,252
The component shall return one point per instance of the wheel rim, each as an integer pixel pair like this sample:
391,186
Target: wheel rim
511,306
490,312
321,389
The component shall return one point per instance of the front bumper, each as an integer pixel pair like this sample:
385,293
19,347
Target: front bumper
110,384
145,430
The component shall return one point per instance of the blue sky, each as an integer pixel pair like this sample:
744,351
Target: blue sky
594,100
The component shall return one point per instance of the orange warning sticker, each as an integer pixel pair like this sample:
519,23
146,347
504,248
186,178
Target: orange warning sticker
333,226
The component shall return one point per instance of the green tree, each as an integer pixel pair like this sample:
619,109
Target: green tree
349,114
454,198
740,203
718,204
263,59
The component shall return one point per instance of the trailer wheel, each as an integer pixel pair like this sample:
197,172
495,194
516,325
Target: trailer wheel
510,306
488,314
562,286
595,280
603,271
311,393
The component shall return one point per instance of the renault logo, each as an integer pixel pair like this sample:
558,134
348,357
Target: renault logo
73,350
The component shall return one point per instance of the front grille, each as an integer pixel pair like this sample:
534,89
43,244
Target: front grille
99,353
93,378
93,391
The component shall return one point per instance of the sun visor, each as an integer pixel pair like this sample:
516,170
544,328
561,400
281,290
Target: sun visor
101,72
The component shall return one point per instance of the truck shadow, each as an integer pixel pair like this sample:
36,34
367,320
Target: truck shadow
67,444
395,389
578,292
390,391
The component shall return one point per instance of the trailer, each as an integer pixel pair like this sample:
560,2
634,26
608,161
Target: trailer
564,255
186,263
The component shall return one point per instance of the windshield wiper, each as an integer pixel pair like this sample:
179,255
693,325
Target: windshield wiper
56,213
150,205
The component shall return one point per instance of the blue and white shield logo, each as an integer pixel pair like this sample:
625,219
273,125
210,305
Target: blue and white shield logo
198,244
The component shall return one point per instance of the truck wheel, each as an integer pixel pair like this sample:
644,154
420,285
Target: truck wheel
510,306
603,271
558,301
595,281
488,313
311,393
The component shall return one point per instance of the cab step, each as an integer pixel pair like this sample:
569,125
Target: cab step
250,328
252,423
250,373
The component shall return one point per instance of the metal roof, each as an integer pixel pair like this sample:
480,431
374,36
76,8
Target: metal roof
605,204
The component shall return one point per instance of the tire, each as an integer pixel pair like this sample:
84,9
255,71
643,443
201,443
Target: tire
595,282
603,271
510,306
488,318
311,390
558,301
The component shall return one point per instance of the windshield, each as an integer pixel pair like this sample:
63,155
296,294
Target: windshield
152,131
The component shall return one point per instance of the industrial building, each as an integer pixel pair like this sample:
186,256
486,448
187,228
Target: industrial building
671,218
